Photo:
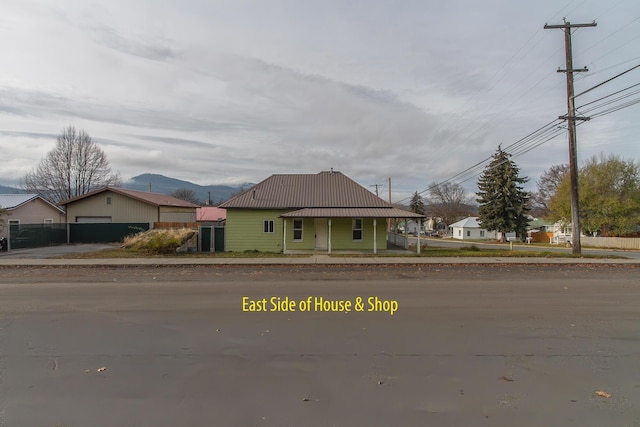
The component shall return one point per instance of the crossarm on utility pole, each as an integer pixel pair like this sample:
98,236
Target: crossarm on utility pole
571,125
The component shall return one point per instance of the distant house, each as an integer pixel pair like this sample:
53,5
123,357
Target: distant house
470,229
25,209
325,212
413,226
118,205
540,231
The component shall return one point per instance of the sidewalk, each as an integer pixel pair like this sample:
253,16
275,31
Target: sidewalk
318,259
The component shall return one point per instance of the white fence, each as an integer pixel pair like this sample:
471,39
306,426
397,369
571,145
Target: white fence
611,242
398,240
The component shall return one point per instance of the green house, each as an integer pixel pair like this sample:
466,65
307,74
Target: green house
309,212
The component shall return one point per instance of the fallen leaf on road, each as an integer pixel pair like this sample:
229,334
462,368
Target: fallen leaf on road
87,371
603,394
506,378
101,369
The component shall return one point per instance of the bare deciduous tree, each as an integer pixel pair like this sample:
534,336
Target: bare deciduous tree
547,187
449,201
74,167
187,195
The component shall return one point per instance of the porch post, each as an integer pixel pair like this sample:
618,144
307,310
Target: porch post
375,237
419,228
284,235
406,234
329,238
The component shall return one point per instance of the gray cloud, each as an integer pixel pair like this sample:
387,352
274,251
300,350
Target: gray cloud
235,91
111,38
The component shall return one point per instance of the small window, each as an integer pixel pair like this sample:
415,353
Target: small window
468,233
14,222
108,200
481,233
268,226
357,229
297,229
48,222
459,232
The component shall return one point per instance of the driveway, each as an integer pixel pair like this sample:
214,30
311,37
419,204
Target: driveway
54,251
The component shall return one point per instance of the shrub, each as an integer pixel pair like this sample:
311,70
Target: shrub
158,241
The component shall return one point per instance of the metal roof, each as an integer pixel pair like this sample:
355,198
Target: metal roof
155,199
297,191
210,213
470,222
351,213
13,201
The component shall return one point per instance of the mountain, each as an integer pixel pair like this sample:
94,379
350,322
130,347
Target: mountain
157,183
10,190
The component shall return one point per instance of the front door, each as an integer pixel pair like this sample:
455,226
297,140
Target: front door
321,234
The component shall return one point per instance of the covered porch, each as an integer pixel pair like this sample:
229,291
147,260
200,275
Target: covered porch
355,230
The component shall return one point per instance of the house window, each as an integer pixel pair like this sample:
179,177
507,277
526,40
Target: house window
297,229
14,222
108,200
459,233
357,229
268,226
468,233
481,233
48,222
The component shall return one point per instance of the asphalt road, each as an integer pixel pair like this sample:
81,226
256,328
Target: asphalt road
467,346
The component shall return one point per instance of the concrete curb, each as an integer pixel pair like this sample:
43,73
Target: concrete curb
324,260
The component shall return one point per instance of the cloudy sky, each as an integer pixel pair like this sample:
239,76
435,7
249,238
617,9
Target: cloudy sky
226,92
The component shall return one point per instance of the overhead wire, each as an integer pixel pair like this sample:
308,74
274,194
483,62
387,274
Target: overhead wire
439,153
553,130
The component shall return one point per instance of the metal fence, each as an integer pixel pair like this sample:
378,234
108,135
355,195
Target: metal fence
22,236
104,233
36,235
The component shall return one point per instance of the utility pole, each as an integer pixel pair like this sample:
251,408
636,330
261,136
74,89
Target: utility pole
376,185
571,124
389,220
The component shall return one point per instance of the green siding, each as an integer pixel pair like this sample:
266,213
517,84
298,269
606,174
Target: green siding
308,241
341,234
244,230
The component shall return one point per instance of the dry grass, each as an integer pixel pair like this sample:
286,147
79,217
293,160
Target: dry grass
159,241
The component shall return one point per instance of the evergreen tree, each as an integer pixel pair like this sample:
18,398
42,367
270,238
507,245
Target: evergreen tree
503,202
417,205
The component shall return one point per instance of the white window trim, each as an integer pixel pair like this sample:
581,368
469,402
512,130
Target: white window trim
353,228
301,230
268,226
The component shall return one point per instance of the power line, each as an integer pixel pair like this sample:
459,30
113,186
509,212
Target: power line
617,108
607,81
611,101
